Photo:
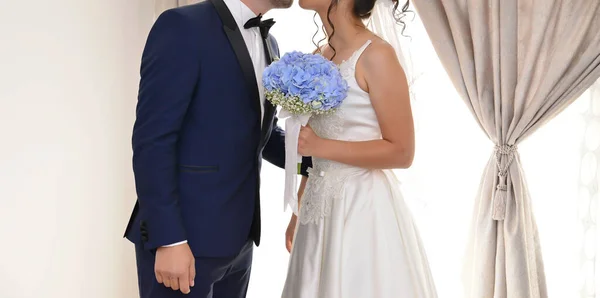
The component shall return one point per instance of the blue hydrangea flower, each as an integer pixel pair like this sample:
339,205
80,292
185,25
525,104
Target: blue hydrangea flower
305,84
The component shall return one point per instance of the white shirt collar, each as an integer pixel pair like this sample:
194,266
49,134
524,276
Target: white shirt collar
241,13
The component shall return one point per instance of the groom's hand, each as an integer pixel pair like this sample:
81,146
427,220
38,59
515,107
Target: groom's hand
175,267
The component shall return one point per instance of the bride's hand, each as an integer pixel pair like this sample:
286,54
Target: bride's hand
289,233
308,142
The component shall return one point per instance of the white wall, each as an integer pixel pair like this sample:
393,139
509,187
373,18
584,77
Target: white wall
68,84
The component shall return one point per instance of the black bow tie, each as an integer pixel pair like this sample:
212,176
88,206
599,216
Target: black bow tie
263,26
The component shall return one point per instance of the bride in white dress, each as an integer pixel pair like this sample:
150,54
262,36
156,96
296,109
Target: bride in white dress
354,236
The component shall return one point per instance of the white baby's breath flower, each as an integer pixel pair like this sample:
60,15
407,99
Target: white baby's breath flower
294,104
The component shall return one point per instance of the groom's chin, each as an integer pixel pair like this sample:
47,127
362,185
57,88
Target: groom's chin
282,4
310,4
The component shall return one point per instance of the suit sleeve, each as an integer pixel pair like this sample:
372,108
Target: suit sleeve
274,151
306,163
169,74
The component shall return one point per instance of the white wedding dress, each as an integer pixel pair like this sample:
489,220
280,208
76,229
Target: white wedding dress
355,236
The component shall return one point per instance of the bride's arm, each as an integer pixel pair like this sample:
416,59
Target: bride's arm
387,86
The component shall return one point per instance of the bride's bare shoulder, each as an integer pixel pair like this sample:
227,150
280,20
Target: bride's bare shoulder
379,65
378,47
379,53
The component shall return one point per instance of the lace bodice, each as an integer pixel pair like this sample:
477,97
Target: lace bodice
355,120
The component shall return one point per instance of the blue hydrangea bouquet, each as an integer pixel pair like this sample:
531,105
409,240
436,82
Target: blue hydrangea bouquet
302,85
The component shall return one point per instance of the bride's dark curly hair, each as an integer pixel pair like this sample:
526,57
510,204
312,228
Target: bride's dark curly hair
362,9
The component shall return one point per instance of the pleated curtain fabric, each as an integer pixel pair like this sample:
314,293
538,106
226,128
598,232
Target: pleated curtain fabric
516,64
162,5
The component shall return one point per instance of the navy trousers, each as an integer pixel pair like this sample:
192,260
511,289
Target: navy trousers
215,277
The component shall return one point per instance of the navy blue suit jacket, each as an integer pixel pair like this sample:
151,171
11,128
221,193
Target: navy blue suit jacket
198,140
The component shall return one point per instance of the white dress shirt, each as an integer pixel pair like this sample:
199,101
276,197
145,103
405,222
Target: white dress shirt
241,13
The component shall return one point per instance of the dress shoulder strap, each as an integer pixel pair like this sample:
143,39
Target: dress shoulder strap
359,53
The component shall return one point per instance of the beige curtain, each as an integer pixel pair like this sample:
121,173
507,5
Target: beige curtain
516,63
162,5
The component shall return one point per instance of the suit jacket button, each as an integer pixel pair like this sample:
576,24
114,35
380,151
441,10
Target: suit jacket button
144,233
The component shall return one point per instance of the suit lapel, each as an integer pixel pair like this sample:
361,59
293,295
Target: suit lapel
272,50
241,51
270,109
243,56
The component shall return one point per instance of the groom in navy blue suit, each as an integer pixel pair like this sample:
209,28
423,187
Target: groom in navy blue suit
201,132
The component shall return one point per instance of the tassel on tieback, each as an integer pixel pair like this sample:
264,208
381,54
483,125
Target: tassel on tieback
501,193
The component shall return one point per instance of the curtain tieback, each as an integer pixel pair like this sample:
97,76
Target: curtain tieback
500,195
